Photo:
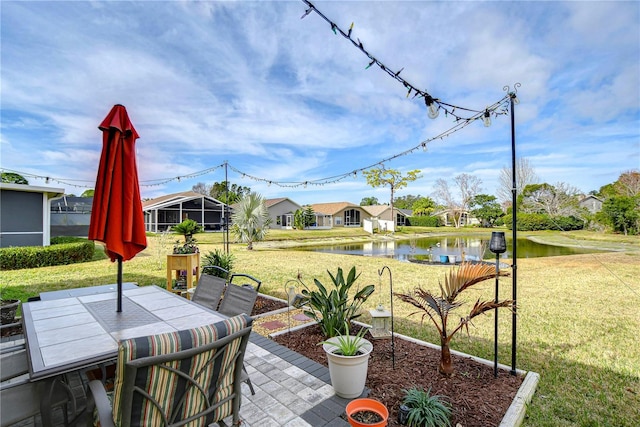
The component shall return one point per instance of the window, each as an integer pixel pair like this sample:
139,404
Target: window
351,217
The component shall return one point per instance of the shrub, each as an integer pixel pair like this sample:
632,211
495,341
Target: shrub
536,221
16,258
219,259
426,410
425,221
333,310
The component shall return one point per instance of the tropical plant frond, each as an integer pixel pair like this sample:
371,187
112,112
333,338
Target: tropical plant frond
465,276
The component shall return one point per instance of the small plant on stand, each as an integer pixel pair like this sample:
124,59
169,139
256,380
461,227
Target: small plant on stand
426,410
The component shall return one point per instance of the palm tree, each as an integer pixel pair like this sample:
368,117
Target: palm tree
437,308
250,220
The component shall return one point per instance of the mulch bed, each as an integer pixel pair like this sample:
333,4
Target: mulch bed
265,305
477,398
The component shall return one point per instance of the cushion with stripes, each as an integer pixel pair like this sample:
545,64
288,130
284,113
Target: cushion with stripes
171,391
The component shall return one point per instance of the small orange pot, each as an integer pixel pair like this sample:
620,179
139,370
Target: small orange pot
364,404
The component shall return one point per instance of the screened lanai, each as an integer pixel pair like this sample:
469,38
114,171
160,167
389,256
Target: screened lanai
164,212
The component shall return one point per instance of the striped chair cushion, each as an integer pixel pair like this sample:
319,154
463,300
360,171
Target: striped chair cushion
166,387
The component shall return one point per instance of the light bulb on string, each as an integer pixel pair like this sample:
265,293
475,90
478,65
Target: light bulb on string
432,107
486,118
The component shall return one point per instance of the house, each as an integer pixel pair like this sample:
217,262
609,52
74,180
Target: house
591,203
281,211
383,213
70,216
338,214
465,217
164,212
24,214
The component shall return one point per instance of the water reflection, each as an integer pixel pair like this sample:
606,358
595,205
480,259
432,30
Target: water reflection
436,248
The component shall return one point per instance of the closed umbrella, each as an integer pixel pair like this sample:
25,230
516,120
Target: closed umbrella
116,216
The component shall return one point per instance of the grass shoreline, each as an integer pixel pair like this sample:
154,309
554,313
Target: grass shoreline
577,316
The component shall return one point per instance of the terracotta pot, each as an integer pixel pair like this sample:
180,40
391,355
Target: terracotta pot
365,404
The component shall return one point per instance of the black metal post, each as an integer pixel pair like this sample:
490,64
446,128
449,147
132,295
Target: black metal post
495,329
119,286
226,207
514,230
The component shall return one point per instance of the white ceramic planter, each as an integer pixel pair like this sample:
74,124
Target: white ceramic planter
348,373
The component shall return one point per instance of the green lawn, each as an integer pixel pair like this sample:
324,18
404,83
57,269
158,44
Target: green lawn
577,318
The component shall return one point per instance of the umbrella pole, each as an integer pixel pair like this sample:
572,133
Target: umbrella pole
119,309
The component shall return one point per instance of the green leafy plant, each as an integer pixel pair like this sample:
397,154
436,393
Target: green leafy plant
219,259
347,344
437,308
426,410
190,246
333,309
187,228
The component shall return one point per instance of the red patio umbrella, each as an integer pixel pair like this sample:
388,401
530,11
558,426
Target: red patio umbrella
116,216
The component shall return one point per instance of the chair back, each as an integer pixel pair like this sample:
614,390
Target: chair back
237,300
209,291
185,378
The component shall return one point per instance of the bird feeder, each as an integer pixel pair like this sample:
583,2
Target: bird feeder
380,323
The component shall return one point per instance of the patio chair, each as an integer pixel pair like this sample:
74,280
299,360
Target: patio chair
210,288
21,399
189,377
239,298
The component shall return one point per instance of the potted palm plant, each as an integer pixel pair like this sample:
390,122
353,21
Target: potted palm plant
348,357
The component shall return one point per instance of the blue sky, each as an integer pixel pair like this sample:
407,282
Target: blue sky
284,99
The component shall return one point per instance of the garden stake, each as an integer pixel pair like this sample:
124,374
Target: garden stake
393,348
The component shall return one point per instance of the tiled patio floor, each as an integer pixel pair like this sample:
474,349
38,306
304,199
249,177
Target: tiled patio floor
291,390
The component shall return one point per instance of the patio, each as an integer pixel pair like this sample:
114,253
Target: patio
291,390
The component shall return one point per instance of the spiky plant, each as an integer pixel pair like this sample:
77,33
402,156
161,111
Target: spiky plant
251,220
425,409
438,307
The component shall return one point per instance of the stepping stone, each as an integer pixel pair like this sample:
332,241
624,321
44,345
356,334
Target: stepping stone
301,317
274,324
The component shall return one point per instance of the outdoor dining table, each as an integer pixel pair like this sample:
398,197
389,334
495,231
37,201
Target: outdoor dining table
75,332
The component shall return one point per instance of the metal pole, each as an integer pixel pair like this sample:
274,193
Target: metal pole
226,206
495,329
514,230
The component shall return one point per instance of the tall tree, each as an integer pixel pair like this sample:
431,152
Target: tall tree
202,188
406,202
251,220
558,200
423,206
235,192
13,178
468,187
628,184
525,175
369,201
382,177
622,214
487,209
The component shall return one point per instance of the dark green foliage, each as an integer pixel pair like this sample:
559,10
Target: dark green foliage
220,259
333,309
533,222
487,209
424,221
426,410
621,213
16,258
309,216
13,178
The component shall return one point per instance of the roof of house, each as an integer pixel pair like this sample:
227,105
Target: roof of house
332,208
377,210
170,199
272,202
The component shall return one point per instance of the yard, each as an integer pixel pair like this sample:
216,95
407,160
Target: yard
577,315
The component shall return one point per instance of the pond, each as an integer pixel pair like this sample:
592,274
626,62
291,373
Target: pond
473,248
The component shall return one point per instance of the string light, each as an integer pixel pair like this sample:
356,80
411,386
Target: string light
434,110
486,118
449,109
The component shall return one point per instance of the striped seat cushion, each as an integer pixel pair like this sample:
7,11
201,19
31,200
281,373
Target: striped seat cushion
166,387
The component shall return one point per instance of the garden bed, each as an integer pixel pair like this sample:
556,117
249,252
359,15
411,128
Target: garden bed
477,398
